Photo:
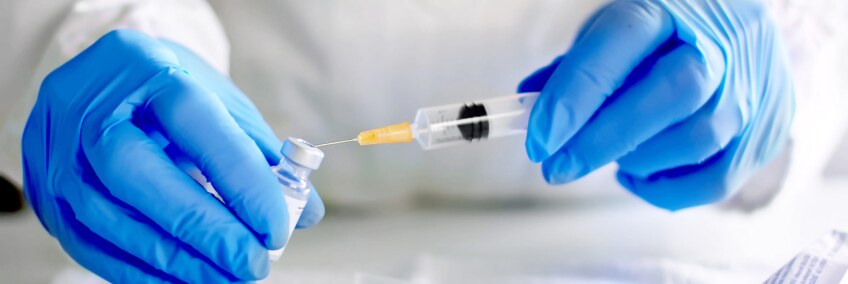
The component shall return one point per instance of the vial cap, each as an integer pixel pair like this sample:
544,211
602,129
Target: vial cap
301,152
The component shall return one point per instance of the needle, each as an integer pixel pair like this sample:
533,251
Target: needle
337,142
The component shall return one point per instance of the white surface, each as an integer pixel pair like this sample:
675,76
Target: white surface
553,241
626,241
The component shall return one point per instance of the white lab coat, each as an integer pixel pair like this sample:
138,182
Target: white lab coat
323,70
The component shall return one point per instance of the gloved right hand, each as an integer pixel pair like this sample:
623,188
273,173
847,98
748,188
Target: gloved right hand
690,98
112,196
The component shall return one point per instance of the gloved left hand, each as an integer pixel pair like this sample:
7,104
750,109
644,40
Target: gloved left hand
102,184
689,97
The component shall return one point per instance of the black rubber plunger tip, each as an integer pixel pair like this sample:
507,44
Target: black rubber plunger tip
477,130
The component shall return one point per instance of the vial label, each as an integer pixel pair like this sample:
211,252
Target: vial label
295,208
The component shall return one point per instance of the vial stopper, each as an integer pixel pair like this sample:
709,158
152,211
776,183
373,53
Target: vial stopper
301,152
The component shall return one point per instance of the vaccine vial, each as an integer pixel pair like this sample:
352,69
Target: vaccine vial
300,158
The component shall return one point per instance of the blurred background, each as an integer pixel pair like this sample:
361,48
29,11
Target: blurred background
470,214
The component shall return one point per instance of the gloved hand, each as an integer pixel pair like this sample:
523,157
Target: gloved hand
108,191
689,97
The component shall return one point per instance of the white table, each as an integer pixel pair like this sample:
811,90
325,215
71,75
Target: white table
561,241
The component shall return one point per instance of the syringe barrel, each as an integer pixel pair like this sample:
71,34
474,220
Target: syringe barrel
463,123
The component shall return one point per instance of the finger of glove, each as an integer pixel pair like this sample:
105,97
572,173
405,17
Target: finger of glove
687,186
536,81
313,212
98,255
200,125
687,143
237,103
138,172
675,88
129,231
623,35
265,139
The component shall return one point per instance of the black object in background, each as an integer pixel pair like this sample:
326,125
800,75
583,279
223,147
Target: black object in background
10,196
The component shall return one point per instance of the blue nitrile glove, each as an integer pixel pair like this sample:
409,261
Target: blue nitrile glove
108,191
689,97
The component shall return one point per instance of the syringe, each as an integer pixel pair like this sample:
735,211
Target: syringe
462,123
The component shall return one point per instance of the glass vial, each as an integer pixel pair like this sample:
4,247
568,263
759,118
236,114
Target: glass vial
300,158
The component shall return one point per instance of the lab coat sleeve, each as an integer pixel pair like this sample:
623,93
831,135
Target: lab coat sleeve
815,41
191,23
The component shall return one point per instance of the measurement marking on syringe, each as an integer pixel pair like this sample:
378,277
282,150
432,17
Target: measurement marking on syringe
442,125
